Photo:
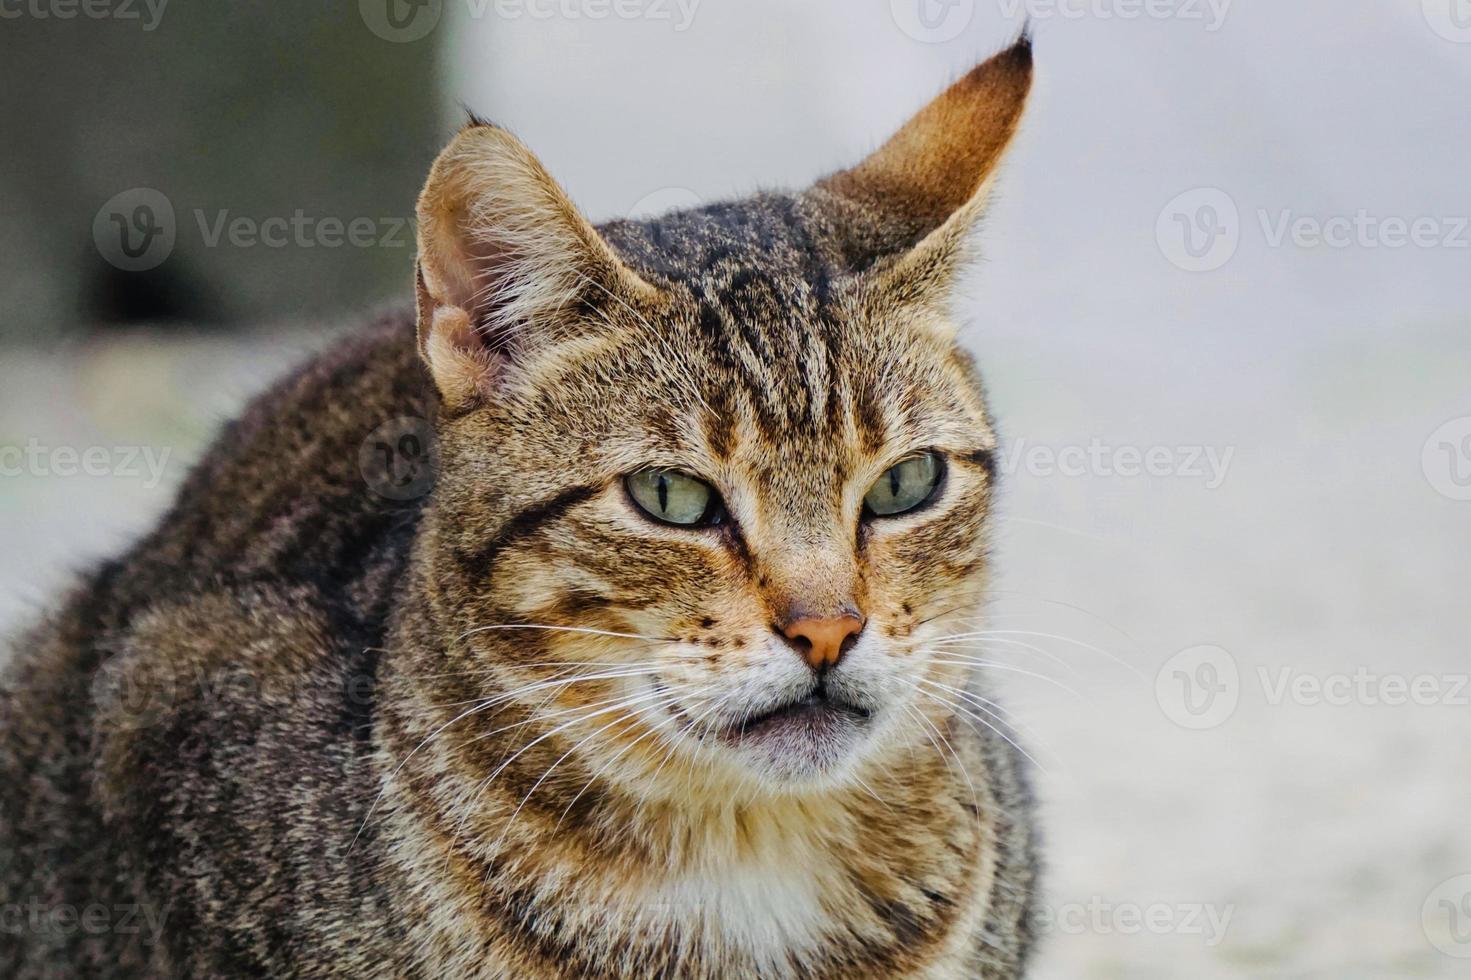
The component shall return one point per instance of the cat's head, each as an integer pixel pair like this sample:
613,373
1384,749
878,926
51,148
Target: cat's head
712,483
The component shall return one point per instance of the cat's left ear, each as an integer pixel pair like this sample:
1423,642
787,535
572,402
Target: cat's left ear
923,190
507,264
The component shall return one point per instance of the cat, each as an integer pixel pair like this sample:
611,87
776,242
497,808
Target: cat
594,621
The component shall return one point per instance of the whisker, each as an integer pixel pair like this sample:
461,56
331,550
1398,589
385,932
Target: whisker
992,709
650,666
1050,636
1007,519
958,764
601,769
664,698
537,715
674,745
973,717
859,780
970,602
481,706
537,741
501,669
1012,595
961,661
384,788
557,682
945,641
566,629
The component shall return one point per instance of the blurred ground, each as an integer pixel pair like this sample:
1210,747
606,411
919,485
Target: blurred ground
1290,839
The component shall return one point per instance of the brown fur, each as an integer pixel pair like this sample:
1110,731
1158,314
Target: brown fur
325,733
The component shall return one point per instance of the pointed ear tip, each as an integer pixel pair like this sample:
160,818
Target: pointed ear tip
480,132
1024,39
1021,48
1013,64
476,143
474,121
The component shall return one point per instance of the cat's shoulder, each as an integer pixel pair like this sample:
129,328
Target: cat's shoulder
319,480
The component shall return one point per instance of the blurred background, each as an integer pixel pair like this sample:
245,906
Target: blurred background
1225,312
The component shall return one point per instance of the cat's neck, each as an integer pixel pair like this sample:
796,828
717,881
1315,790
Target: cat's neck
746,884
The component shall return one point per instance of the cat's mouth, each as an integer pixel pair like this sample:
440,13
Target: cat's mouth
819,715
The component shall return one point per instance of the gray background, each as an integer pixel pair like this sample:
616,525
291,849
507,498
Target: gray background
1333,546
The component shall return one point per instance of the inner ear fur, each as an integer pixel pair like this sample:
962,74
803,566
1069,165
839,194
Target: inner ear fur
506,261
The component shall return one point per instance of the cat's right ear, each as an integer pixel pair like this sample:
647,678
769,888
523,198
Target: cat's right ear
925,189
506,263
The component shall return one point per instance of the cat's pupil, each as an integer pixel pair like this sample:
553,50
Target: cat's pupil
894,482
663,493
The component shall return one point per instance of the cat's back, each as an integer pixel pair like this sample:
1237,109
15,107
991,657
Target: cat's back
235,622
316,478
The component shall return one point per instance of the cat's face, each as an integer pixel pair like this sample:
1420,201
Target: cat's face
712,486
722,504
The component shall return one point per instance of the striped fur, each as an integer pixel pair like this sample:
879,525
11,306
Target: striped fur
320,732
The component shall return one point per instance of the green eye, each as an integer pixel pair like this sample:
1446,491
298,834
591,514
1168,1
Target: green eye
674,497
905,486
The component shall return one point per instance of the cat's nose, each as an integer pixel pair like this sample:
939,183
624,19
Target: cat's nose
822,640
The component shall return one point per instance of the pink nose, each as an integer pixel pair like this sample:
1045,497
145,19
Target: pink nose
822,641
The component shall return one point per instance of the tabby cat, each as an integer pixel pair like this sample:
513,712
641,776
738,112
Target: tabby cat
648,682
